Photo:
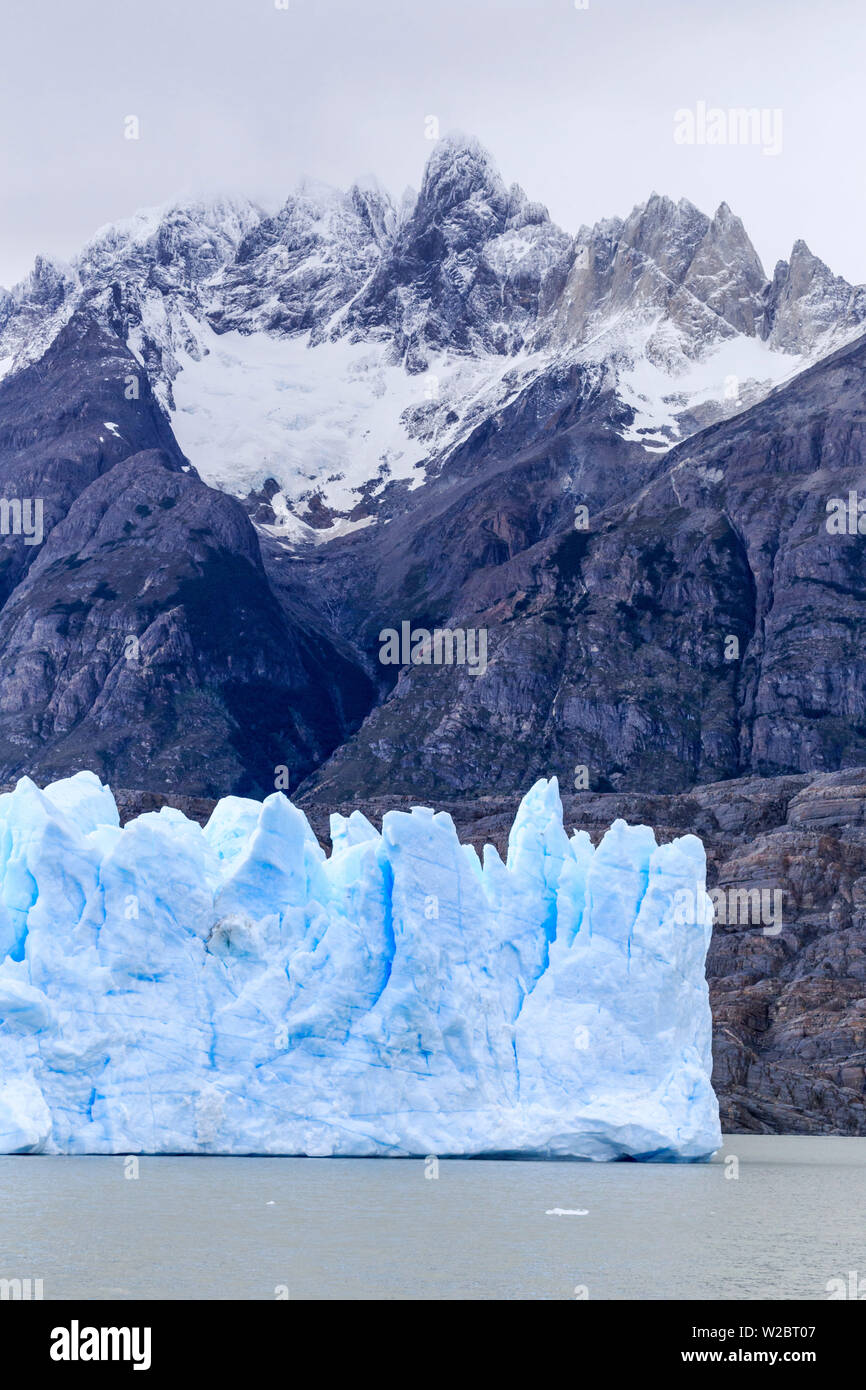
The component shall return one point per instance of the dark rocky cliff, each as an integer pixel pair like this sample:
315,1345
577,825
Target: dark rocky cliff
706,625
142,638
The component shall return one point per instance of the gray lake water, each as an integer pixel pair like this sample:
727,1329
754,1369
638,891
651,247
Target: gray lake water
259,1228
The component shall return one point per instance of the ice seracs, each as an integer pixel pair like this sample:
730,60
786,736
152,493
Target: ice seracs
233,989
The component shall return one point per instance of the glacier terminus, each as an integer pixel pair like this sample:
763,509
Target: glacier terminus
232,989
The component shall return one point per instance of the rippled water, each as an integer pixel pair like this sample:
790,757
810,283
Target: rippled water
378,1228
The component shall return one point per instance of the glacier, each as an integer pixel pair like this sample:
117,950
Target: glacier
232,989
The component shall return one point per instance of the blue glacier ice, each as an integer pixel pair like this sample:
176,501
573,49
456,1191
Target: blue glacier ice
171,989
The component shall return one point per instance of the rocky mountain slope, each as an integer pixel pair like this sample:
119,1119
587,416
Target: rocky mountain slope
705,624
479,456
142,637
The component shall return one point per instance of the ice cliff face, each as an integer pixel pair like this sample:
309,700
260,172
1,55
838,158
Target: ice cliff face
165,988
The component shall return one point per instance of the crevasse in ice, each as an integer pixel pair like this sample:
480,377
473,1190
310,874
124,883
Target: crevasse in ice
166,988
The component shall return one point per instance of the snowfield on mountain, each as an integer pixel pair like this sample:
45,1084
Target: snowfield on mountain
350,341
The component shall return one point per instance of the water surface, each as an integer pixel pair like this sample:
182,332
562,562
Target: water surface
253,1228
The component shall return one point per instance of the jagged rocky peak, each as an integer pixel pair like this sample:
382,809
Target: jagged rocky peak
318,212
192,239
193,242
452,280
522,212
807,304
161,254
472,266
295,270
464,198
468,265
46,286
666,233
728,233
665,247
626,265
34,311
726,273
668,282
461,174
374,205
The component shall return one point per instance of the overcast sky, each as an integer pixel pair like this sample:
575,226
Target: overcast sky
575,104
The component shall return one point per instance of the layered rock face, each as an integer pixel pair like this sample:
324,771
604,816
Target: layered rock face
165,988
707,622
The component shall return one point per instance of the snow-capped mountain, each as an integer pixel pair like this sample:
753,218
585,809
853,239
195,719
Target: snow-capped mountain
351,343
606,646
140,275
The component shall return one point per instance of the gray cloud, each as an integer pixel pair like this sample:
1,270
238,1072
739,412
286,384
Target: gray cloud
577,105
